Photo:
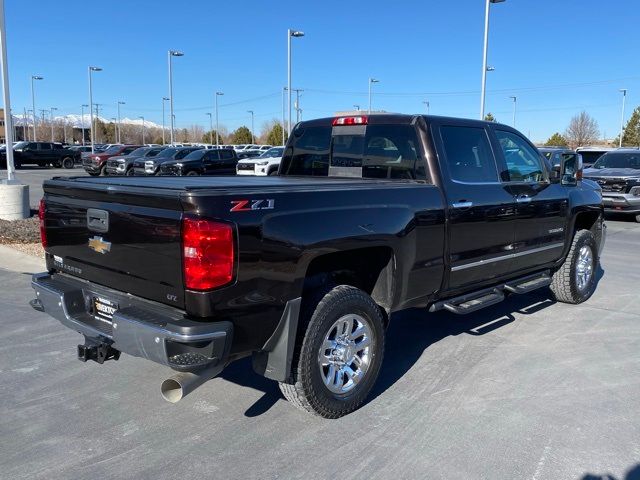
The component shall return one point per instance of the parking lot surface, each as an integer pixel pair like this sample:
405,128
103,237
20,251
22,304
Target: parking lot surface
526,389
34,176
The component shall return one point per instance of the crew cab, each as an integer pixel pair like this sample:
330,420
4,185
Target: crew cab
41,154
302,271
123,164
618,174
216,161
96,163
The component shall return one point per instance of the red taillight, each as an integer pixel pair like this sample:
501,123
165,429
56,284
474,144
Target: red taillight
208,253
41,215
359,120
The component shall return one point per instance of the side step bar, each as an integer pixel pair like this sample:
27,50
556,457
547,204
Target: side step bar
471,302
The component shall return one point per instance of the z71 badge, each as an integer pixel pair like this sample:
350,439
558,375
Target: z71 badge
249,205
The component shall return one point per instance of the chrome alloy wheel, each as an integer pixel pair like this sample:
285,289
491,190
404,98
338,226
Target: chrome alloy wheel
584,268
345,353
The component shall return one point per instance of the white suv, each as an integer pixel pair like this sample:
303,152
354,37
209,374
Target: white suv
265,164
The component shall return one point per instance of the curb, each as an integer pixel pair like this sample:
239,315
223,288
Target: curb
20,262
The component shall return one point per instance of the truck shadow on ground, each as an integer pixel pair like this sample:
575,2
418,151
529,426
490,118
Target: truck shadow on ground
410,333
632,474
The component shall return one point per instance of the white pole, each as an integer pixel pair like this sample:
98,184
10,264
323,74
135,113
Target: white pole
217,123
484,58
369,95
515,99
164,99
289,32
171,98
624,96
253,137
82,122
5,94
284,90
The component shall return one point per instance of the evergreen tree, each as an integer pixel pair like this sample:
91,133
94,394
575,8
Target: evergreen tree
241,135
274,136
210,137
490,118
631,132
556,140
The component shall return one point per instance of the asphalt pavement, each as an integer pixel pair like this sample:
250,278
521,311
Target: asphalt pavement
34,176
527,389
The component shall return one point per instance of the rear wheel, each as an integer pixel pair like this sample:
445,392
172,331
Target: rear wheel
67,162
273,172
638,218
192,173
575,281
130,172
338,358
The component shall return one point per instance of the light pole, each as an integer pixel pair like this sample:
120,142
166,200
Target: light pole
426,103
624,96
371,81
170,54
357,107
253,137
142,118
33,104
296,105
515,101
164,99
284,91
118,125
51,116
92,69
6,97
218,94
82,107
210,128
290,33
485,69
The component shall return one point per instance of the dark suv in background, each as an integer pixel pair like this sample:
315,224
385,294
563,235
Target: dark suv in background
123,164
95,164
150,166
203,162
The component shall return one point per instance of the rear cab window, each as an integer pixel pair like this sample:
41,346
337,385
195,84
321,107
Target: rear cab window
385,151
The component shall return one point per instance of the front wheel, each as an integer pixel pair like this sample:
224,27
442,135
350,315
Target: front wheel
130,172
67,162
338,360
575,280
192,173
638,218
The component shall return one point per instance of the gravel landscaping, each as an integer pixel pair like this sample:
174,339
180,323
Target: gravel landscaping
20,231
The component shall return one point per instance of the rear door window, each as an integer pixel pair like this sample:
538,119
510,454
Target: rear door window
469,155
45,146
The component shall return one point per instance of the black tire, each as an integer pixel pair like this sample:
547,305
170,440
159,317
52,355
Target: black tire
305,388
273,172
564,283
67,162
638,218
94,174
192,173
103,170
130,172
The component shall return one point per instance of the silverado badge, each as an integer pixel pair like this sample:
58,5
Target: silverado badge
99,245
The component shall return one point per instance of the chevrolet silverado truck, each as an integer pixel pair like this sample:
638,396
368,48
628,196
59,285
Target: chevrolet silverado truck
302,271
41,154
618,174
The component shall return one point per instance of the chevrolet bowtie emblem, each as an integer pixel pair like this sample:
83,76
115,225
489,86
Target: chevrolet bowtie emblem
99,245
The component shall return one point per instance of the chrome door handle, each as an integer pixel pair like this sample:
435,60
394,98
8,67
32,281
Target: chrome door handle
523,199
462,205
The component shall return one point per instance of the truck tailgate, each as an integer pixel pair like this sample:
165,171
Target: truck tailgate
126,240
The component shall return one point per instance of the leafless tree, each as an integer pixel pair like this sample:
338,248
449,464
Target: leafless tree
582,130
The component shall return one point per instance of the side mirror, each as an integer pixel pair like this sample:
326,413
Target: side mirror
571,169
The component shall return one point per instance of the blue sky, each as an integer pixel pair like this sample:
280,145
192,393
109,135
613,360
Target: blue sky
557,56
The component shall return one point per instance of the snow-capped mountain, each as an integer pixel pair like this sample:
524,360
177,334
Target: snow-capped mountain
77,121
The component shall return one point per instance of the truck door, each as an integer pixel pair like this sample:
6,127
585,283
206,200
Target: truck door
481,227
541,206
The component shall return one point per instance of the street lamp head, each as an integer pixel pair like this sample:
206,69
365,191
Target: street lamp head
121,103
37,77
86,106
513,97
219,93
490,69
250,111
95,69
623,91
497,1
297,33
165,99
208,114
176,53
373,80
